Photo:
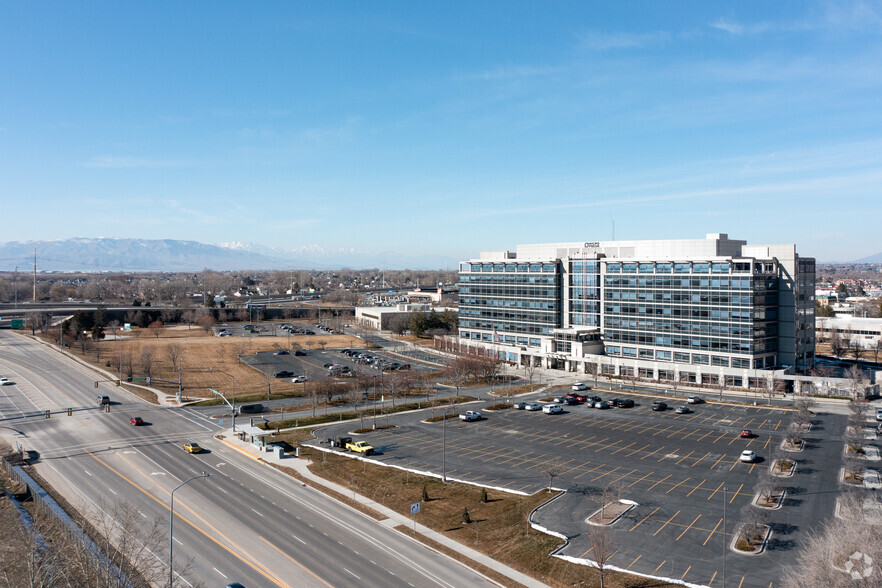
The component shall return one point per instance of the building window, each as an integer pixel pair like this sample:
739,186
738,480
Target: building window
700,359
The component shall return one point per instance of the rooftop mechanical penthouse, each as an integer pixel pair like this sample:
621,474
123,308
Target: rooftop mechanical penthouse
685,309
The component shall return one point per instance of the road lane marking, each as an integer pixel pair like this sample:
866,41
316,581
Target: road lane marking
701,458
697,487
687,529
257,513
736,493
665,525
640,480
299,539
719,522
711,582
660,565
659,482
715,491
684,457
677,484
253,564
686,572
643,520
635,561
356,577
220,572
718,461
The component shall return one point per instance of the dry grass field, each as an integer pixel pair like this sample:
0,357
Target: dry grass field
199,356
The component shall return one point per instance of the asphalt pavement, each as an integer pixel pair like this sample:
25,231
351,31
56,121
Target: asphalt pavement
245,524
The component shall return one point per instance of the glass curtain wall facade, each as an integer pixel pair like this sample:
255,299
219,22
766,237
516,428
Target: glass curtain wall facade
509,303
719,313
584,293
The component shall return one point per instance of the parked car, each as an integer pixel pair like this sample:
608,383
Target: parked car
6,382
520,405
658,405
603,404
622,402
283,374
879,414
569,400
470,415
552,409
298,379
746,434
577,397
593,399
748,456
299,353
579,386
682,410
281,352
192,447
694,399
136,421
533,406
558,399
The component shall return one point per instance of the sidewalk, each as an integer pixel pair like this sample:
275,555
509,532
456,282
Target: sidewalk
394,519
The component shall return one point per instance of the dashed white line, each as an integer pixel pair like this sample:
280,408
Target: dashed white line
349,572
178,541
219,572
257,513
88,472
299,539
114,493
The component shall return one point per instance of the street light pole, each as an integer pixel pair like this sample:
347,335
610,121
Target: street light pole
171,527
233,406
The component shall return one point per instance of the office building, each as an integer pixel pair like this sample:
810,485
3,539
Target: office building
698,310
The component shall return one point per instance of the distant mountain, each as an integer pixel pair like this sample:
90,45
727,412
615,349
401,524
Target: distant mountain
105,254
871,259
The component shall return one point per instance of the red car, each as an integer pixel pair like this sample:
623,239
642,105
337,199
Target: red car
578,397
746,434
137,421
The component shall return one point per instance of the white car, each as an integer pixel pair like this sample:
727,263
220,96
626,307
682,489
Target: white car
298,379
6,382
878,414
470,415
748,456
579,386
533,406
552,409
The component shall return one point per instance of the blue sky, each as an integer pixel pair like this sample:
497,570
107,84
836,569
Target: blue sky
443,127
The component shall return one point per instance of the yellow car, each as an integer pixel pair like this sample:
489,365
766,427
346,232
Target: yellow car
192,447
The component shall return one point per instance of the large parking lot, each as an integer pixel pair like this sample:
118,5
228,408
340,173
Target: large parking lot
681,469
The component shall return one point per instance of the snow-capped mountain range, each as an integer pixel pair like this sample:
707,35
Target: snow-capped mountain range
110,254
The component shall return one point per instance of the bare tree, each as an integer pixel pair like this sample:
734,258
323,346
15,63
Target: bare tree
842,553
601,540
858,381
553,469
207,322
753,525
530,371
593,370
837,344
173,351
876,348
156,328
146,361
168,315
856,346
458,372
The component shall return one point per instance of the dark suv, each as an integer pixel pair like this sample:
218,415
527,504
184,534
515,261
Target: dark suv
658,405
623,402
283,374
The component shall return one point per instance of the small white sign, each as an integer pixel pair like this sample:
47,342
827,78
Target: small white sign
414,508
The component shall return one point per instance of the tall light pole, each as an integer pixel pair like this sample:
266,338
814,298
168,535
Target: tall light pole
725,547
171,527
233,406
443,445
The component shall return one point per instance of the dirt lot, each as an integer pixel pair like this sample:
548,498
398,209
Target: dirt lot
198,353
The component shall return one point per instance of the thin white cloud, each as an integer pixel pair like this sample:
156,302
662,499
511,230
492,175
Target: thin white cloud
738,29
598,41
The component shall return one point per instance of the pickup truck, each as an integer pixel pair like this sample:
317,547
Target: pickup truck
360,447
470,415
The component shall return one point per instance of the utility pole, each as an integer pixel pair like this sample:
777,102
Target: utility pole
15,286
35,276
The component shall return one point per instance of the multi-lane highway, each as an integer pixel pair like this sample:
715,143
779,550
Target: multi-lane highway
245,523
